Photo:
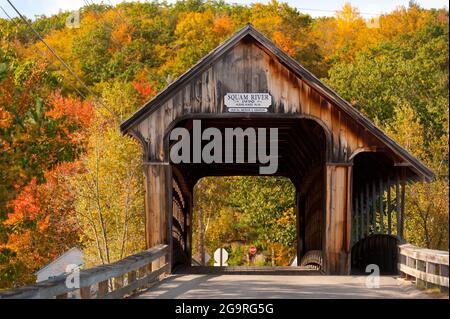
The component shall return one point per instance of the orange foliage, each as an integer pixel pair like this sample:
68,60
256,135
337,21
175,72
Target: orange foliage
283,42
26,205
121,35
75,109
223,26
41,221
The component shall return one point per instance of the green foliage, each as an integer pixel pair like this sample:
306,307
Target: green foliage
236,256
267,206
247,210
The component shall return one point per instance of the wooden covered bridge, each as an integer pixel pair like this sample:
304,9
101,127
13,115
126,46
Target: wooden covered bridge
344,168
350,177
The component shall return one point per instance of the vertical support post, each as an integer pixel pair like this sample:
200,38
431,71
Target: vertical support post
158,204
131,277
85,292
361,203
300,227
337,218
186,226
397,206
381,207
374,207
102,288
402,207
118,282
201,236
356,219
169,214
367,211
389,208
189,226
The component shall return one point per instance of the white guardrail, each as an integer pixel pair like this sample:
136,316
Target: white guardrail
116,280
427,266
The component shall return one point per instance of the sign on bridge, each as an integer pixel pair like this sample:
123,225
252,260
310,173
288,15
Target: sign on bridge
247,102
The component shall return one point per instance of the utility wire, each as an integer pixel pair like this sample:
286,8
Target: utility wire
335,11
63,63
43,54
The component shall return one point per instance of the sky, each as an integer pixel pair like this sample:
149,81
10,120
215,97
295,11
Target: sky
315,8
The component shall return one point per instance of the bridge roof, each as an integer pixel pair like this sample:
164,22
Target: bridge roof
415,164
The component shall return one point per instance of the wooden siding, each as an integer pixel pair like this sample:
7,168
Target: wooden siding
249,68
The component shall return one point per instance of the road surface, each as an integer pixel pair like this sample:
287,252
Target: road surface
223,286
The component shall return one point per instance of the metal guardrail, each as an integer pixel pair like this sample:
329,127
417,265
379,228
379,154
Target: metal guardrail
428,267
110,281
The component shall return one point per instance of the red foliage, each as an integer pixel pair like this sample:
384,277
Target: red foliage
144,88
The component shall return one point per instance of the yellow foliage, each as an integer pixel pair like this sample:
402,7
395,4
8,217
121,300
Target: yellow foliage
121,35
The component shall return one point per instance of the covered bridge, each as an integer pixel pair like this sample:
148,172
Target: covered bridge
350,177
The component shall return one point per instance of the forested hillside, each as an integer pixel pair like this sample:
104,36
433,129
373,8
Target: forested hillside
69,178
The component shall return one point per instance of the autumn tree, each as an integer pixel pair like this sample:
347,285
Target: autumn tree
108,190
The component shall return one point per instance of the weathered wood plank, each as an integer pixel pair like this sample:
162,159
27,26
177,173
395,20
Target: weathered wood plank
88,277
361,202
428,256
338,217
389,205
85,292
137,284
357,216
103,288
367,210
397,206
381,207
374,207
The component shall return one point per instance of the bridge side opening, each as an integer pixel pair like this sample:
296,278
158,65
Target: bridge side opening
378,203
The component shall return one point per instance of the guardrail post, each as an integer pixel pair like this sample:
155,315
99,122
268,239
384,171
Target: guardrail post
103,288
85,292
118,282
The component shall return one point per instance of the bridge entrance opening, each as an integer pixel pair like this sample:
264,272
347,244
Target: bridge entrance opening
296,194
252,217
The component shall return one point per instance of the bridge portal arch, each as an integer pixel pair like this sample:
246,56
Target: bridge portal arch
302,157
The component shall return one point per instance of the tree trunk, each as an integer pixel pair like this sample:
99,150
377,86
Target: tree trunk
273,257
201,237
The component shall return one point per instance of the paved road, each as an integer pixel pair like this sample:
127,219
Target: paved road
222,286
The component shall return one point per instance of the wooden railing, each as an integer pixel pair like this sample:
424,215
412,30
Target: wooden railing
110,281
428,267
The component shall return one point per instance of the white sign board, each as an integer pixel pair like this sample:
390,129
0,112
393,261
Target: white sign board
207,257
220,257
247,102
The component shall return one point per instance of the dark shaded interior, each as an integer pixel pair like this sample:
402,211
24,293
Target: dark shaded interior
301,158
